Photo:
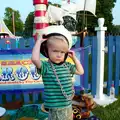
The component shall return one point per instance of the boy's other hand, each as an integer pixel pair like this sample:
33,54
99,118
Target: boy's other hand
71,54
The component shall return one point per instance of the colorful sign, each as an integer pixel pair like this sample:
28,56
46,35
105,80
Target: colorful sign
18,72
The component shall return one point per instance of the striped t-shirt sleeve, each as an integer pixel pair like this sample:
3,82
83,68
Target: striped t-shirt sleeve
43,68
71,67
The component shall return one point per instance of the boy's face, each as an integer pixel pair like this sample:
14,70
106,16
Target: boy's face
57,50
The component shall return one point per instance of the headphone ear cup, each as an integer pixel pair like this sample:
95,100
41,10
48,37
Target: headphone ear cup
66,55
44,49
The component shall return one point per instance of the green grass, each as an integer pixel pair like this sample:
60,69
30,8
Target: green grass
110,112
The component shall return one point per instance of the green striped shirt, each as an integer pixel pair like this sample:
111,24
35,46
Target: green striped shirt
52,90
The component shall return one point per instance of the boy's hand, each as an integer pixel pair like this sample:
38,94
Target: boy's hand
40,37
71,54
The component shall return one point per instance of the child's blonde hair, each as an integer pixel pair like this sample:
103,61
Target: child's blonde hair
51,39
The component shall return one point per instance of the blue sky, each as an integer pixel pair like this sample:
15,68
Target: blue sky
116,13
26,6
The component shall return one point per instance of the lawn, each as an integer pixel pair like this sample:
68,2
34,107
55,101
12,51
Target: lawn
110,112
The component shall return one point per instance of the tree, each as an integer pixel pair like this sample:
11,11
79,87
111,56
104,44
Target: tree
17,21
28,31
116,29
103,9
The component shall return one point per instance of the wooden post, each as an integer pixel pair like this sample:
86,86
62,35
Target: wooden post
13,22
101,98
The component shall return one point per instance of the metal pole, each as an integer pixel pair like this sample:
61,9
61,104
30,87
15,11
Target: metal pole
83,27
84,15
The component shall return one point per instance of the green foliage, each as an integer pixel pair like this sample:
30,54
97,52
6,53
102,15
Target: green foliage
103,9
29,23
8,18
86,19
110,112
116,29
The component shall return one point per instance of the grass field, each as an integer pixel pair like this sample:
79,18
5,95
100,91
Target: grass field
110,112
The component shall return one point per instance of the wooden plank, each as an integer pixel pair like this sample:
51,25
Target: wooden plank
94,64
18,96
35,97
9,96
117,67
1,101
110,63
78,54
77,45
42,95
26,97
85,62
77,77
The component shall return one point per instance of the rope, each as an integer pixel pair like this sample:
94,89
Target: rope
80,49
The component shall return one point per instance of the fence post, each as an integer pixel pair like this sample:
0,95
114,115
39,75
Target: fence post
100,57
94,65
117,64
110,63
100,98
85,63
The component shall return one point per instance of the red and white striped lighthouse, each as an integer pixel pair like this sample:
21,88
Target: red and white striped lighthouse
40,20
68,1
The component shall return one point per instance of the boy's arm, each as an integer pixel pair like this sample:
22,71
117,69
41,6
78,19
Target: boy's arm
36,52
79,67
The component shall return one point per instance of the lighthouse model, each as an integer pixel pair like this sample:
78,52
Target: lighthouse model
40,20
